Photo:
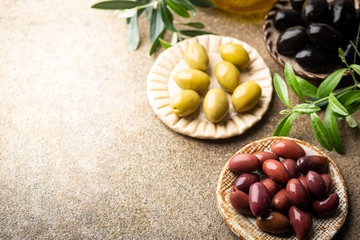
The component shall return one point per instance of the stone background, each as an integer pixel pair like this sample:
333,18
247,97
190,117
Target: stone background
82,155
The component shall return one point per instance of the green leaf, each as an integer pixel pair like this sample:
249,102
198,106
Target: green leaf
133,37
330,83
197,25
352,108
285,112
305,108
156,43
307,88
188,5
284,126
351,121
320,132
156,24
356,68
148,11
349,97
202,3
174,38
126,13
193,33
117,4
167,17
336,106
333,130
281,89
178,9
165,44
291,80
341,53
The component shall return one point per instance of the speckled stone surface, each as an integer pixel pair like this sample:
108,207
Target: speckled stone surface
82,155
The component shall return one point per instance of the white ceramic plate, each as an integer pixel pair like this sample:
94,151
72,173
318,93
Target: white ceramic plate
161,87
245,227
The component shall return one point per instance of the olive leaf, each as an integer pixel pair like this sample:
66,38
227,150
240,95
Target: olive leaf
193,33
281,90
307,88
283,129
197,25
174,38
202,3
336,106
305,108
291,80
188,5
167,17
133,39
351,121
117,4
349,97
165,44
156,43
332,128
356,68
156,24
178,9
330,83
126,13
321,134
285,112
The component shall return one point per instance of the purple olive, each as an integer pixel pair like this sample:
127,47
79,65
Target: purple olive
259,199
301,222
288,149
314,163
316,184
274,222
243,162
263,156
275,170
327,206
240,201
328,182
296,193
281,202
272,186
290,166
244,181
302,179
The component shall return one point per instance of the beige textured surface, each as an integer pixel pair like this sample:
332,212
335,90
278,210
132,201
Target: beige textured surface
82,155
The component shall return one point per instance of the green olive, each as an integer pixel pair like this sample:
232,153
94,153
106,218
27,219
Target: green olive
216,105
192,79
185,103
227,75
196,56
246,96
235,54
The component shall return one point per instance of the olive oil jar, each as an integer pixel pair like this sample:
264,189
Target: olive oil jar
244,6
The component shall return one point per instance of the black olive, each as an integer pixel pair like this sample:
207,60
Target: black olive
314,59
315,11
325,36
297,4
287,18
291,40
343,17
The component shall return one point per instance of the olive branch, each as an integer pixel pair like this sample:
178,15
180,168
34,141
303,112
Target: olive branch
159,12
